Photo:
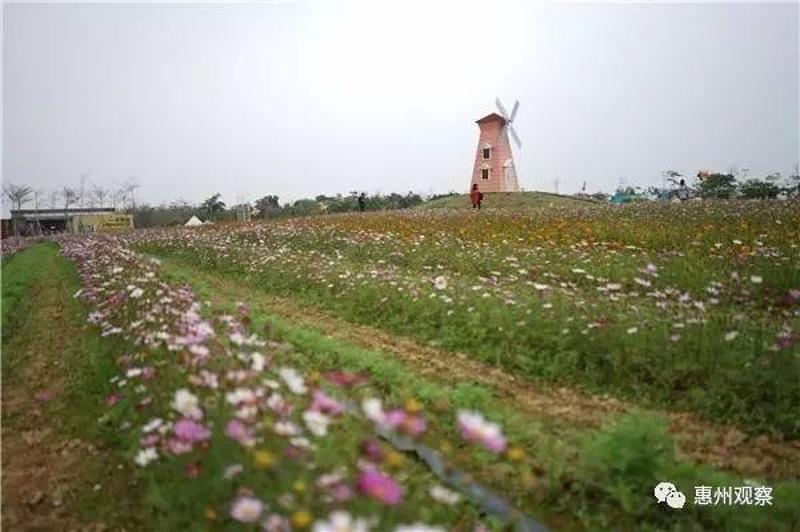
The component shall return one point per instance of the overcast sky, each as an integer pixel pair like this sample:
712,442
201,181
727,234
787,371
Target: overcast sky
309,97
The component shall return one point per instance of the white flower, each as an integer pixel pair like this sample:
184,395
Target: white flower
444,495
137,292
247,509
418,527
286,428
187,404
258,362
133,372
756,279
440,283
145,456
633,330
341,521
731,335
540,286
293,380
316,422
373,409
152,425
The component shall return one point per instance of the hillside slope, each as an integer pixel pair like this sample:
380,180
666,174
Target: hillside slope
507,200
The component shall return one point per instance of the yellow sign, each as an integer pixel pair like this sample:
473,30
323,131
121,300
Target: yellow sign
102,223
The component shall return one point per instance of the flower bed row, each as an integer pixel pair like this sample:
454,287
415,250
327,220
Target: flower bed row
225,432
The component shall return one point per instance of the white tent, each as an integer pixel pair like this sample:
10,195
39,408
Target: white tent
193,222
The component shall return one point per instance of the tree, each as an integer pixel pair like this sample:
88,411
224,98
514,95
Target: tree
213,205
98,196
757,189
716,185
71,196
267,206
18,195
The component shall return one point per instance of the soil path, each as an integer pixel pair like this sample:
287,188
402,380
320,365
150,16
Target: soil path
724,447
44,469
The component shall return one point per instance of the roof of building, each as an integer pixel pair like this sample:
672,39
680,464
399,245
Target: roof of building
51,214
490,117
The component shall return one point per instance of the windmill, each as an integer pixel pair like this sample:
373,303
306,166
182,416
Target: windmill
494,169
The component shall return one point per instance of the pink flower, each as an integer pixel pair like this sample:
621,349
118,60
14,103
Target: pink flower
240,432
324,403
380,487
112,399
372,449
475,428
247,509
410,424
191,431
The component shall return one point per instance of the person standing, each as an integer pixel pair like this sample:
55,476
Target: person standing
476,197
362,202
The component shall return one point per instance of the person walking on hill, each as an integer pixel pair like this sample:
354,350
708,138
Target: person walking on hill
476,197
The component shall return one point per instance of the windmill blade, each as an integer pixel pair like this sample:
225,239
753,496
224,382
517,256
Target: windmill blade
514,111
502,109
514,135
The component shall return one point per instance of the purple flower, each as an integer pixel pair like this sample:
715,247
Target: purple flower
240,432
324,403
191,431
380,487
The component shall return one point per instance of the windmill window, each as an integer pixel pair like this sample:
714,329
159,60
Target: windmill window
484,173
487,153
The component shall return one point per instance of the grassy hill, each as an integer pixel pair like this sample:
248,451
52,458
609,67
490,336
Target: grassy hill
506,200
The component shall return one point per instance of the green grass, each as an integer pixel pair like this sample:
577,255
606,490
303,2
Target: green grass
42,320
508,200
699,336
575,478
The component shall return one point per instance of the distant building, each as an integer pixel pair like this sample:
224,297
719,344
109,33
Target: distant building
28,222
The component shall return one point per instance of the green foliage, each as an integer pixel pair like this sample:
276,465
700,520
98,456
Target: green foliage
717,186
756,189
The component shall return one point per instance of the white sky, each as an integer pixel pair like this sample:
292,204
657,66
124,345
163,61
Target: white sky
309,97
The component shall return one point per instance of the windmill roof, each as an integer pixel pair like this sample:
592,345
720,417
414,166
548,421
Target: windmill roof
490,117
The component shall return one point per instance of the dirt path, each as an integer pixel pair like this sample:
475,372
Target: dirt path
724,447
44,469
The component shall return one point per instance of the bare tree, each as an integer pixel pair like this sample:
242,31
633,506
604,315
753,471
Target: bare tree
98,196
18,195
71,196
127,192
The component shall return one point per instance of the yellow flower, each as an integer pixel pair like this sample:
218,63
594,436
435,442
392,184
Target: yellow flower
210,514
516,454
413,406
264,459
301,519
299,486
394,459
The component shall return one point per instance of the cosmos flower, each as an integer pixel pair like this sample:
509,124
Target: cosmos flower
476,429
316,422
247,509
191,431
294,381
187,404
418,527
379,486
322,402
145,456
440,282
340,521
444,495
238,431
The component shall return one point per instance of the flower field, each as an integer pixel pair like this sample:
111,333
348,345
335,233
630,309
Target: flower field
235,418
693,307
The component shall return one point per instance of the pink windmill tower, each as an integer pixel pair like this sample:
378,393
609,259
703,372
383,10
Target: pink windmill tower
494,169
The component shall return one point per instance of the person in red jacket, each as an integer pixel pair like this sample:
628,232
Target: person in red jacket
476,197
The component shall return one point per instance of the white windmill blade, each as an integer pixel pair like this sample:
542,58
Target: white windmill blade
502,109
514,135
514,111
